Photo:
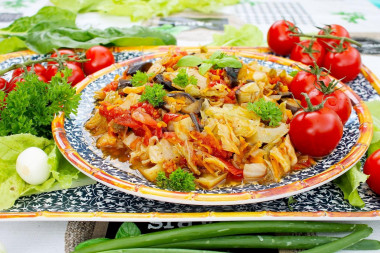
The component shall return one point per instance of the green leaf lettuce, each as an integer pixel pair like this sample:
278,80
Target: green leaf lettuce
248,35
349,183
374,108
63,174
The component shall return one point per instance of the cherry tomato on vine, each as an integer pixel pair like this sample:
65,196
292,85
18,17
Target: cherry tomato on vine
37,68
68,52
335,30
301,52
316,133
372,168
3,84
98,57
13,82
77,74
279,37
51,71
343,65
305,82
336,101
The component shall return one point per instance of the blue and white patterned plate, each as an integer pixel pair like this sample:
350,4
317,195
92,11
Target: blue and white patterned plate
79,148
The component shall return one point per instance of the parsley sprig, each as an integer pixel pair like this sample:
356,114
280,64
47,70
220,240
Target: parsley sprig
140,79
179,180
218,59
153,94
183,79
31,107
268,111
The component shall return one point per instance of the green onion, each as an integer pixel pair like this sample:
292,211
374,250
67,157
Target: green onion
344,242
151,250
217,230
266,242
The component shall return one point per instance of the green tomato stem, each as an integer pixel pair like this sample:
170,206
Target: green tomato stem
326,37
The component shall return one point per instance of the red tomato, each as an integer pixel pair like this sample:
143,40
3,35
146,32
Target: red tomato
345,65
77,74
169,117
3,84
305,82
98,57
14,81
301,52
42,78
337,101
37,68
279,39
316,133
69,52
372,168
335,30
51,71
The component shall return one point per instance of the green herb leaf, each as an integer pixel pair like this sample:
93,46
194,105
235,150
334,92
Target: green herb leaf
90,242
11,44
204,68
53,27
268,111
127,229
229,62
293,73
182,79
189,61
179,180
31,107
248,35
349,183
140,79
154,94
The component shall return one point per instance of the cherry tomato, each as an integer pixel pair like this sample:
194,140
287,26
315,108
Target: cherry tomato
42,78
77,74
337,101
335,30
316,133
37,68
13,82
69,52
345,65
51,71
305,82
98,57
279,39
300,52
3,84
372,168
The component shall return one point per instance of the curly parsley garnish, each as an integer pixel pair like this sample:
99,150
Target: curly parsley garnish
268,111
140,78
154,94
31,107
179,180
183,79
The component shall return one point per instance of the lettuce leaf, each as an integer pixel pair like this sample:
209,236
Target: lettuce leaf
349,183
142,9
374,108
63,174
248,35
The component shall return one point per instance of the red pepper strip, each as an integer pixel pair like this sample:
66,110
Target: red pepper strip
169,117
231,169
147,135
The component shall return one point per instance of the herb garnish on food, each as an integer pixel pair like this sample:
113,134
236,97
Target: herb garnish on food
153,94
140,78
183,79
268,111
179,180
